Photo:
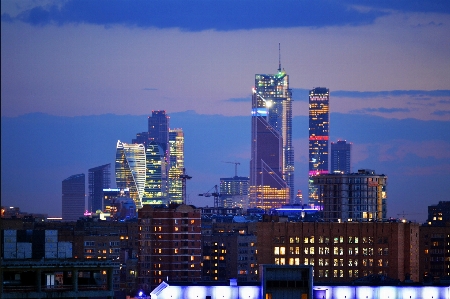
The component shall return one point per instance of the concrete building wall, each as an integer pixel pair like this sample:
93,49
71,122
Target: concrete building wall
342,252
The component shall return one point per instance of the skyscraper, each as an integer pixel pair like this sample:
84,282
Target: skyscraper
73,197
272,153
99,179
141,138
340,157
131,169
319,121
155,175
175,165
158,129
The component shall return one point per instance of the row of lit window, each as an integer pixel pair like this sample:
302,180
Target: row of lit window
326,240
354,273
102,251
326,250
207,257
336,262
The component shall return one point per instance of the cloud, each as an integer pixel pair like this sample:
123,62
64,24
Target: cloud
7,18
380,110
430,24
399,150
440,6
441,112
240,100
390,93
198,15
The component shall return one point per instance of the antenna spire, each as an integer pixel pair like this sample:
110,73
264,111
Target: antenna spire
279,57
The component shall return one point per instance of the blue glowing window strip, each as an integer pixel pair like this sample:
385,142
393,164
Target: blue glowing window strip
259,112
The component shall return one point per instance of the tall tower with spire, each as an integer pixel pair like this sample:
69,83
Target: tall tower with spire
272,153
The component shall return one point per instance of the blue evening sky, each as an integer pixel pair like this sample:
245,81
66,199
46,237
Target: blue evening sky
70,66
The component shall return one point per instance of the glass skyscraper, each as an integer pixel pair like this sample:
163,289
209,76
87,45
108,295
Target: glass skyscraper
99,179
155,175
176,165
73,197
319,121
340,157
272,153
158,129
131,169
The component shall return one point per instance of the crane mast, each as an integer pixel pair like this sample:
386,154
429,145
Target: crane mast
235,166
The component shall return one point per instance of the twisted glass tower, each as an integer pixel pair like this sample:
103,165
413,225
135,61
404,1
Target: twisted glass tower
131,170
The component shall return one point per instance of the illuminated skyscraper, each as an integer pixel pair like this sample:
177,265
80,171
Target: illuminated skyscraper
158,129
73,197
319,120
155,175
176,165
340,157
272,156
99,179
131,169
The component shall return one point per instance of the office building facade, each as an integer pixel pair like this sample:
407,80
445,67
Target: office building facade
434,253
158,129
319,121
155,175
130,167
342,252
272,152
99,179
435,244
73,197
439,215
357,196
340,159
170,245
141,138
234,192
176,166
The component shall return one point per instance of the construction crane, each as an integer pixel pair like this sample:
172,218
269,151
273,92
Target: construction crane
215,194
184,177
235,166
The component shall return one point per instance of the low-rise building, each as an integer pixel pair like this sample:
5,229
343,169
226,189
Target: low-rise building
342,252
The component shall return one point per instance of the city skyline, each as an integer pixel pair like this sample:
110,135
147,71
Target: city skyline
386,64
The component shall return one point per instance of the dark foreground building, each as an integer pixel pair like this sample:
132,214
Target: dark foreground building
55,279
